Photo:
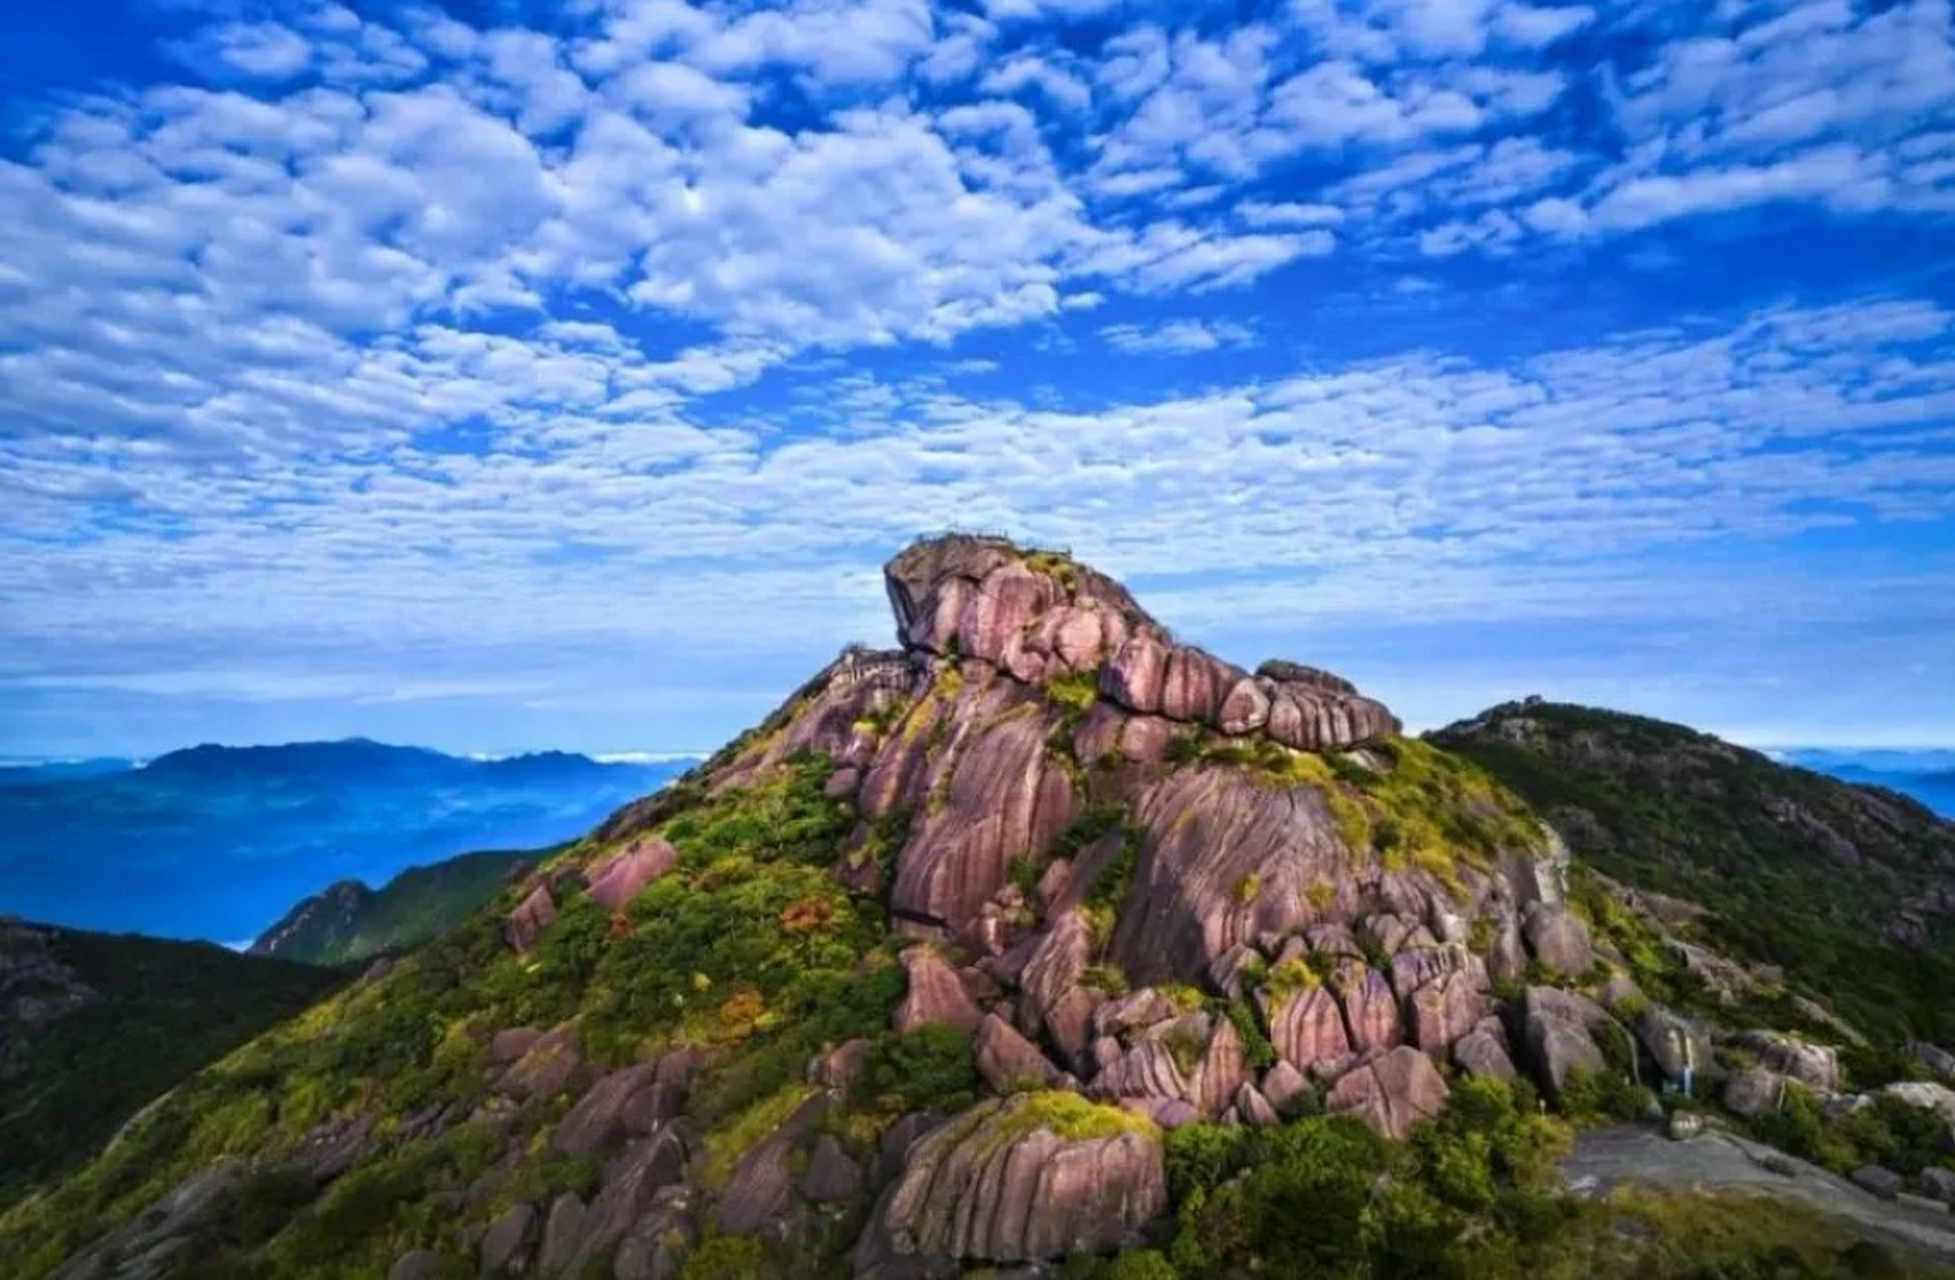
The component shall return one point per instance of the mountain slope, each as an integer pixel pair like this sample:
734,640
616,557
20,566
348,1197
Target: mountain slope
1041,935
92,1026
214,842
1850,889
348,922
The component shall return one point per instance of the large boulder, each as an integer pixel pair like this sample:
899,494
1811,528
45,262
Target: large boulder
762,1183
1752,1091
1558,939
617,878
530,918
1448,1007
552,1064
935,994
1676,1043
1559,1032
1391,1092
1306,1027
1816,1066
505,1238
596,1123
1135,676
1008,1062
563,1234
1052,1000
1483,1052
991,794
1001,1184
1145,1070
1313,710
1223,1070
1370,1008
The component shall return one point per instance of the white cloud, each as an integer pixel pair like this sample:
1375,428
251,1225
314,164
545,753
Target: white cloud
1526,25
264,50
1177,337
1259,213
431,319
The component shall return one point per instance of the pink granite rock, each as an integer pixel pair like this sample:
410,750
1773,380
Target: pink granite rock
935,994
1370,1009
530,918
996,1185
1391,1092
618,878
1306,1027
1008,1062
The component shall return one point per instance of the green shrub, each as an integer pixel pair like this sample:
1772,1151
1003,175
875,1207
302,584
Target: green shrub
927,1068
725,1258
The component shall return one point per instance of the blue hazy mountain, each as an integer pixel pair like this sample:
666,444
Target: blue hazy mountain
217,842
13,773
1926,775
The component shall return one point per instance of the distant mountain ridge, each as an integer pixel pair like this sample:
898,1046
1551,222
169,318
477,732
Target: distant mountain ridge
1927,776
214,841
348,921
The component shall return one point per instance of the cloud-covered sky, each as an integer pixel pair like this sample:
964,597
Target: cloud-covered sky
511,374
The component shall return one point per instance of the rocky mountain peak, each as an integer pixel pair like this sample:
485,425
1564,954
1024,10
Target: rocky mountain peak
1083,812
914,975
1040,615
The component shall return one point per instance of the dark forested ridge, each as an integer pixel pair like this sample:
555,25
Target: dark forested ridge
1849,888
96,1025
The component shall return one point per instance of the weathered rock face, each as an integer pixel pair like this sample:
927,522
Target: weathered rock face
1753,1091
1558,939
763,1181
991,793
1560,1035
634,1100
1815,1066
1391,1092
1007,1061
552,1063
935,994
1307,1028
1207,831
997,1185
530,918
616,879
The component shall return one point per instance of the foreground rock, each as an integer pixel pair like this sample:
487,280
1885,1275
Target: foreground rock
1391,1093
1035,1176
159,1242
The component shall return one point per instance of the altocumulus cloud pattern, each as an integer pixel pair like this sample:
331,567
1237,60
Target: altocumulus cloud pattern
517,374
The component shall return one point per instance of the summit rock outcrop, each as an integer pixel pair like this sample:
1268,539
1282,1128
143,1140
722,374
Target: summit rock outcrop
1050,786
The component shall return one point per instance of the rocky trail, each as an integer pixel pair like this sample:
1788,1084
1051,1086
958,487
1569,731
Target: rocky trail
1606,1158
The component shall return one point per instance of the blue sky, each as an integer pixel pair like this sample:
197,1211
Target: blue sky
521,375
